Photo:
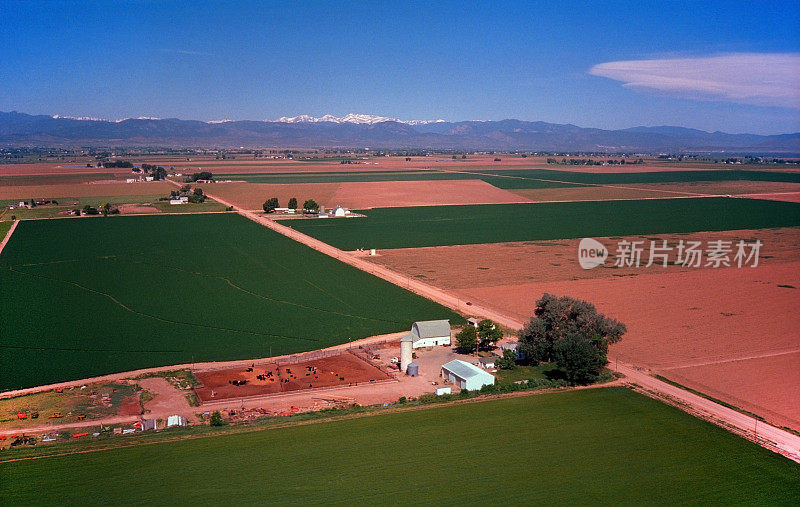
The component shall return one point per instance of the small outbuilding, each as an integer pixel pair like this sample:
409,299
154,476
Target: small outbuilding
466,376
413,370
487,362
148,424
513,346
176,420
428,333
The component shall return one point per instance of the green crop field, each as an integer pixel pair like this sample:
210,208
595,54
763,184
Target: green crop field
496,223
86,297
605,446
522,178
366,176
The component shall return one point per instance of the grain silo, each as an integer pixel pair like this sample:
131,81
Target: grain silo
406,351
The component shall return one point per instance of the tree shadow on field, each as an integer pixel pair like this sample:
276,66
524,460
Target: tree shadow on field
556,374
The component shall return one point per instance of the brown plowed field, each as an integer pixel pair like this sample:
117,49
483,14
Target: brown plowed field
252,195
55,168
137,208
679,319
761,382
341,370
788,197
722,187
84,190
463,266
591,194
683,318
362,195
652,166
378,194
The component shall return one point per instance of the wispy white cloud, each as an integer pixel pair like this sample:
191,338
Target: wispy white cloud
765,79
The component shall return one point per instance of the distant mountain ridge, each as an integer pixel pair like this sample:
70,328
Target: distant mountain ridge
366,131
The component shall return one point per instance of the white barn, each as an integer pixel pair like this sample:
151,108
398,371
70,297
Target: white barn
428,333
466,376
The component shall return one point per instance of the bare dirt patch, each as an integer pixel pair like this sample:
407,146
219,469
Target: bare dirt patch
589,193
722,187
782,196
127,209
361,195
272,378
252,195
54,168
462,266
84,190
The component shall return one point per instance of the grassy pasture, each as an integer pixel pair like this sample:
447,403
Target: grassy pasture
599,446
496,223
522,178
86,297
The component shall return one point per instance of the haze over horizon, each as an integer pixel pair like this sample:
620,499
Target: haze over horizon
717,66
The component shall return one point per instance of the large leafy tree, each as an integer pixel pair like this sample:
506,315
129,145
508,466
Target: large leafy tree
467,339
578,356
270,204
311,205
555,318
488,333
292,203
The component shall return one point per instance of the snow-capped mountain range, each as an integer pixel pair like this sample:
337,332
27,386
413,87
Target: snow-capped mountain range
363,119
356,131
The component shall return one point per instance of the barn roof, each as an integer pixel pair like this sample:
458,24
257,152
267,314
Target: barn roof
463,369
431,328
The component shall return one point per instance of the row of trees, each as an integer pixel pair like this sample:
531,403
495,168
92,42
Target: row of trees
272,204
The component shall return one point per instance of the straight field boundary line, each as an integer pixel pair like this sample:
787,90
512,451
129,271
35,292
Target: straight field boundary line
8,235
732,360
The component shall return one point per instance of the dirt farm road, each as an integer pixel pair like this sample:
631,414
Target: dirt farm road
767,435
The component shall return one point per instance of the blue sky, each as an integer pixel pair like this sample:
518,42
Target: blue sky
562,62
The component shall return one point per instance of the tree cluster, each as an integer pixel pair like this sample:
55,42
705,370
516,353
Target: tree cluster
270,204
485,336
156,171
202,175
118,163
571,333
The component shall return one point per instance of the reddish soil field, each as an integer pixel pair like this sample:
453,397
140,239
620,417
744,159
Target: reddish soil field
590,194
788,197
252,195
137,208
761,383
683,318
462,266
652,166
361,195
722,187
53,168
130,406
341,370
84,190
